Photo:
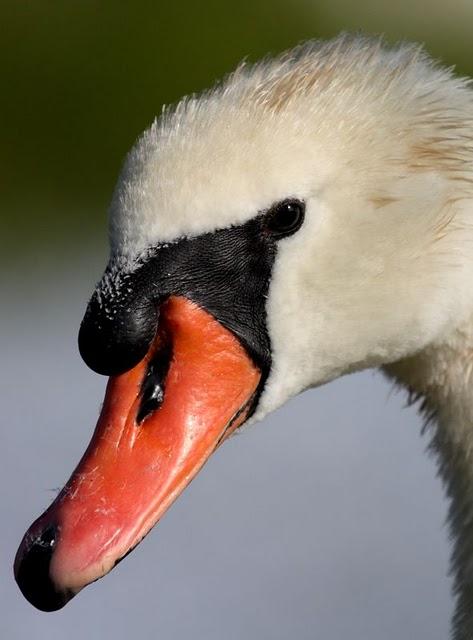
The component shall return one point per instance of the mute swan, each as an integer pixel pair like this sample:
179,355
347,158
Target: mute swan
308,217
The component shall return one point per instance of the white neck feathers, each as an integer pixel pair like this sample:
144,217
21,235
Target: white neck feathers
441,377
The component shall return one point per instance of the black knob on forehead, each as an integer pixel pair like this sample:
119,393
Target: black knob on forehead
118,326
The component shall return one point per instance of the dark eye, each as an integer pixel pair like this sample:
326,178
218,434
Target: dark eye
285,217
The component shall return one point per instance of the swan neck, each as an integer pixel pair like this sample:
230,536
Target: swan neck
441,378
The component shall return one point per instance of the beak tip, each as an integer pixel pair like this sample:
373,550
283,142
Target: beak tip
31,569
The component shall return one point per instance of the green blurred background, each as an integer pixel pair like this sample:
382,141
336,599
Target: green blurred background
81,79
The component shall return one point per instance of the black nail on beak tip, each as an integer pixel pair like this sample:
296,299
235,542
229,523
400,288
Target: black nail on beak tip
32,573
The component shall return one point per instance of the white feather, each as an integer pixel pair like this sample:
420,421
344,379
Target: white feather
379,143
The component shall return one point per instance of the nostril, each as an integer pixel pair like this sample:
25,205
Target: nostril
32,572
152,389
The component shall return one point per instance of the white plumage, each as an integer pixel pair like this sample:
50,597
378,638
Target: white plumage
379,143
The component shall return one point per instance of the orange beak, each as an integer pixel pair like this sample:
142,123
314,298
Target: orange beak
143,453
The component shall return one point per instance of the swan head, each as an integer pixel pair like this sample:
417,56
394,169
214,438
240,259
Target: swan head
376,143
315,206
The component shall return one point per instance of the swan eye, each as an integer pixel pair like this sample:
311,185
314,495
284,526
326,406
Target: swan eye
285,218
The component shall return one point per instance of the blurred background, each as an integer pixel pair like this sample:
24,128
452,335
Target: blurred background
326,520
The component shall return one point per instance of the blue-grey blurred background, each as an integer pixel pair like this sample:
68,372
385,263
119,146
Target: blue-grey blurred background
325,521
